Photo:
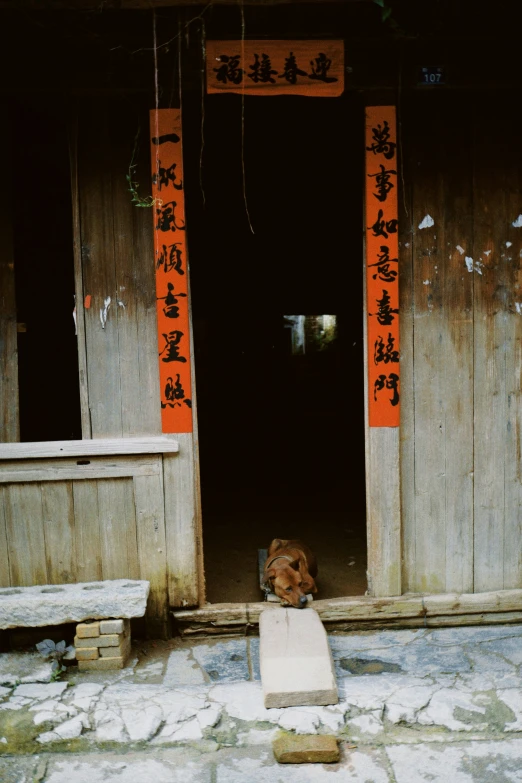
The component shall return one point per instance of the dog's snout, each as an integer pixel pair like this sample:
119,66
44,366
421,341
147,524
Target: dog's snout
302,601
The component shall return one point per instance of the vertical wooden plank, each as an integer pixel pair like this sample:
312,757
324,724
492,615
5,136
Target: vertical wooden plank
118,273
383,501
180,524
383,512
95,174
405,113
198,523
491,165
513,468
148,391
440,530
9,413
78,278
117,516
457,345
428,292
58,523
122,127
5,578
152,550
25,535
87,538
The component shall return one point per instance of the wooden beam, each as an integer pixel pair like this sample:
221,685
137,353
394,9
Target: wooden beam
26,471
82,448
413,610
78,280
143,5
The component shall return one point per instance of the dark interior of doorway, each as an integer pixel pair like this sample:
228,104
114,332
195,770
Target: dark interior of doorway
275,221
49,394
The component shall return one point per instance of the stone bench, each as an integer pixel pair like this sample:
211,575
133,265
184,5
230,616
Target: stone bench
103,643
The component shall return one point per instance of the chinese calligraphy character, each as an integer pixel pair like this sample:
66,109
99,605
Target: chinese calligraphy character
171,260
262,70
380,227
383,183
172,347
320,67
385,313
385,352
291,71
167,218
381,141
391,382
164,176
171,308
173,137
229,71
173,392
384,272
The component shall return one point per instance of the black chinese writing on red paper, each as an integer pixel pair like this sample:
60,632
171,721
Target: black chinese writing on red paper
262,70
383,184
167,220
382,228
172,340
229,70
385,352
384,271
391,382
170,258
386,313
165,177
381,141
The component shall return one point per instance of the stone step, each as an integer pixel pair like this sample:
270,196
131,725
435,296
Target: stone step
295,659
31,607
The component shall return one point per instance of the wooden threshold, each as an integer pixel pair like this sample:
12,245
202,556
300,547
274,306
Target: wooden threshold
412,610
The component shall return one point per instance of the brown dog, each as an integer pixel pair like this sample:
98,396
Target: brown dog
289,571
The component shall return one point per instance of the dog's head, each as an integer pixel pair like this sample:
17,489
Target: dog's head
288,583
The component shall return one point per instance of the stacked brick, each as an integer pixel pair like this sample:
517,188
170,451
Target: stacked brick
104,644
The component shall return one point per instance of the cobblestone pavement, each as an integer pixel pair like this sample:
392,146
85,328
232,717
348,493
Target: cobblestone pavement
423,705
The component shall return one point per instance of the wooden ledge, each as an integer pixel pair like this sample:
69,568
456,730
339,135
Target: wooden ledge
98,447
355,613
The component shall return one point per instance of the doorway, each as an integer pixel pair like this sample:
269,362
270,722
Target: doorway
275,224
49,394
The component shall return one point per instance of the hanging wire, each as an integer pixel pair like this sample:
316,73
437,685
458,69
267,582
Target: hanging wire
156,87
203,77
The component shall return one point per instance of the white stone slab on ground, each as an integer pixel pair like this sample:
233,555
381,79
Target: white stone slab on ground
32,607
295,659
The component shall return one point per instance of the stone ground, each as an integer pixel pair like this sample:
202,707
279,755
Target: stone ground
425,705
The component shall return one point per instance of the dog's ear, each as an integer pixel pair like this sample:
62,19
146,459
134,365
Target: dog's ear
269,576
276,544
309,586
295,564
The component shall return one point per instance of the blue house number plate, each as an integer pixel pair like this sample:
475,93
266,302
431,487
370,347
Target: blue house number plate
432,76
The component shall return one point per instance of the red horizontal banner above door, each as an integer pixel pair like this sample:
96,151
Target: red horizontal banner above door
314,68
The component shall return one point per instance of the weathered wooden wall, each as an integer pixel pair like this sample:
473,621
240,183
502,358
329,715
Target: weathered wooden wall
117,272
121,384
68,520
461,305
